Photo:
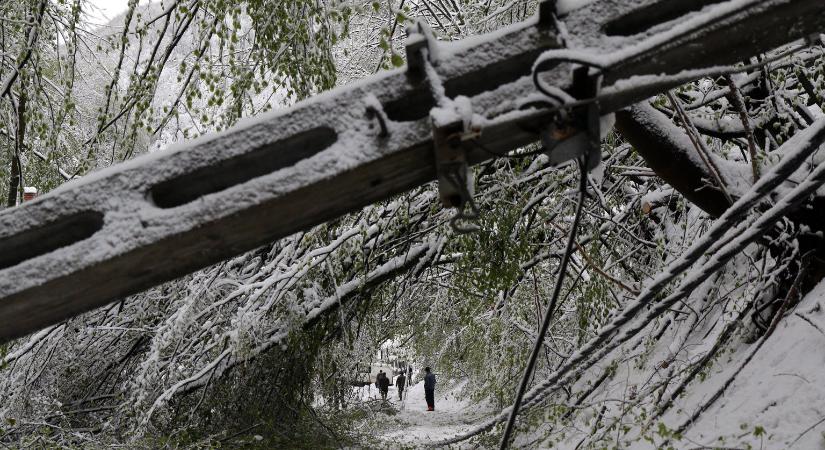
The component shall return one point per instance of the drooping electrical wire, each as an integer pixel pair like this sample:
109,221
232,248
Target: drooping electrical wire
548,315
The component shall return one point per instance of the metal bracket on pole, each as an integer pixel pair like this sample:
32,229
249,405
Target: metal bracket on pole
549,20
589,86
547,13
418,40
450,163
577,133
455,178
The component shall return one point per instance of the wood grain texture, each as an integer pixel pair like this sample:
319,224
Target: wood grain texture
194,221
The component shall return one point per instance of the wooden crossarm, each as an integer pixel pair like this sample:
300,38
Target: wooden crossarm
160,216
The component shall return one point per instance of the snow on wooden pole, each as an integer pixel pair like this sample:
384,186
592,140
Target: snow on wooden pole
175,211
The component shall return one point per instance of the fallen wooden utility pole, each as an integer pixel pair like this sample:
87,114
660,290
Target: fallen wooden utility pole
160,216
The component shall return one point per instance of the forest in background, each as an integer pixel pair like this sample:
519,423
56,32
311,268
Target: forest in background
264,345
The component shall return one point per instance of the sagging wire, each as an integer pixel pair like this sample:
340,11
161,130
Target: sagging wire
561,101
548,315
561,98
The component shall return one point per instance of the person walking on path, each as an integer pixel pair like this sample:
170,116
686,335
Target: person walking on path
401,381
383,383
429,388
378,380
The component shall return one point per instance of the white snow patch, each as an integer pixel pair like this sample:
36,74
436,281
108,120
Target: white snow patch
414,425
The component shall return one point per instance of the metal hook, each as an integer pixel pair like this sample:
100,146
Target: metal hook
466,201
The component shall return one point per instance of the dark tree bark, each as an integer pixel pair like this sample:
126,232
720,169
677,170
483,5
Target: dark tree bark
667,150
15,180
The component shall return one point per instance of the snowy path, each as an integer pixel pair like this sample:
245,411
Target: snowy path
414,425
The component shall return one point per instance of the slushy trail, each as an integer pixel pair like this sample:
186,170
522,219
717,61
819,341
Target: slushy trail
414,425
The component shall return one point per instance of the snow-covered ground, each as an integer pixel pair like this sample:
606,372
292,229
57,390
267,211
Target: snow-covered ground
778,400
414,425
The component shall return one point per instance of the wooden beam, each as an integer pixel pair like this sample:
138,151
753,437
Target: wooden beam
160,216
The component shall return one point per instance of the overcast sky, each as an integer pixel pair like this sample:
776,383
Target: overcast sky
104,10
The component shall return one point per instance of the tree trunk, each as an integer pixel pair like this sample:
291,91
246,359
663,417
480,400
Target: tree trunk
16,178
668,151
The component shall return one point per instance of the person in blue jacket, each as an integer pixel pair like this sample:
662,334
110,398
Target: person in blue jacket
429,388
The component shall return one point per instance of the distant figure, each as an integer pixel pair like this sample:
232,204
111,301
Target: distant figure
383,383
401,381
429,389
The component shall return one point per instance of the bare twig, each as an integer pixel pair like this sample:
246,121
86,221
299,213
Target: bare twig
739,104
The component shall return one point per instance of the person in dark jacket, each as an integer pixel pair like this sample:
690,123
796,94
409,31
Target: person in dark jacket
401,381
429,388
383,382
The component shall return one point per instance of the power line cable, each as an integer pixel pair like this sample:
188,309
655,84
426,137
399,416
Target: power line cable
548,315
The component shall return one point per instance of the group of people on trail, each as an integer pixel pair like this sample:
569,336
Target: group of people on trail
382,382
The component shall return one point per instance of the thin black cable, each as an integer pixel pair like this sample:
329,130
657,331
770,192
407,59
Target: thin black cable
558,104
550,63
548,315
